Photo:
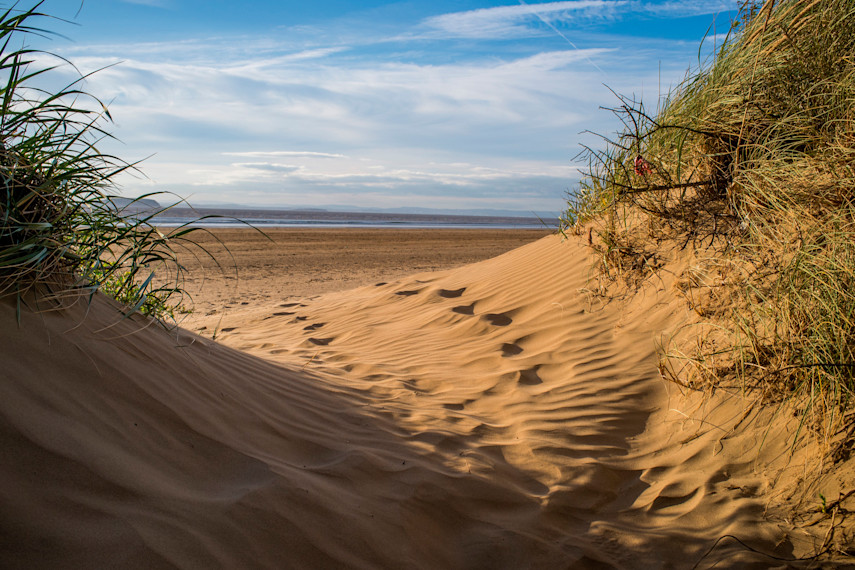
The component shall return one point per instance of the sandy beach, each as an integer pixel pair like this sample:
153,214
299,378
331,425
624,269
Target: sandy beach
485,416
249,269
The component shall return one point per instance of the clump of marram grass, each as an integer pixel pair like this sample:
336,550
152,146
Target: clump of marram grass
752,160
60,231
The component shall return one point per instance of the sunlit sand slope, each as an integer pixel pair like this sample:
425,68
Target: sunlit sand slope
483,417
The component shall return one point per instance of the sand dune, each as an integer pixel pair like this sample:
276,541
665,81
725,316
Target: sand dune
481,417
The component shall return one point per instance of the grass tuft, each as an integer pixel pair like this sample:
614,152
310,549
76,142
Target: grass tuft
751,162
60,228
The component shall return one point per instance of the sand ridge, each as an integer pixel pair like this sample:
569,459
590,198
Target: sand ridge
481,417
503,364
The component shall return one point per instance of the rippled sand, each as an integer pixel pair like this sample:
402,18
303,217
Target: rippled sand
487,416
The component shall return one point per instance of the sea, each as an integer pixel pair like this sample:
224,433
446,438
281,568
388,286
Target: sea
268,218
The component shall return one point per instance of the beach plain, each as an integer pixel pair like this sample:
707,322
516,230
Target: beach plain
251,268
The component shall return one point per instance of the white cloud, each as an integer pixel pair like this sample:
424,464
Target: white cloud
354,104
234,115
686,8
522,20
289,153
260,64
529,185
268,167
194,114
507,21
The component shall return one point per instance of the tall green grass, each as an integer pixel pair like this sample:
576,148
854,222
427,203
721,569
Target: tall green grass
752,161
60,231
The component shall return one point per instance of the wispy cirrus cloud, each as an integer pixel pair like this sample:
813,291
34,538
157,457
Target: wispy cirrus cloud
268,167
378,128
356,104
683,8
285,153
261,63
525,18
311,118
508,21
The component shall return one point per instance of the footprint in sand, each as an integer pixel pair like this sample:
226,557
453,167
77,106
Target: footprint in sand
286,305
511,349
451,293
320,341
314,327
228,329
407,293
283,313
302,318
529,377
464,309
498,319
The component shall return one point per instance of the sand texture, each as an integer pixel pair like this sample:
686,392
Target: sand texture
488,416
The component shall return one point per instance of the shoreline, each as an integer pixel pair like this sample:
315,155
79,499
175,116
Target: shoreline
285,218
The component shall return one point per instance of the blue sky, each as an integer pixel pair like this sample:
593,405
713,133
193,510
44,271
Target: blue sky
463,104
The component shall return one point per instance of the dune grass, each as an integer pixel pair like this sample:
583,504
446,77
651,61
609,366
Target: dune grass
751,161
60,230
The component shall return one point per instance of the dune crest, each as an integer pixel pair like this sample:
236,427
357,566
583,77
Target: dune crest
482,417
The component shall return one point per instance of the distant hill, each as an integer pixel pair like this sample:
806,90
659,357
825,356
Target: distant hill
131,205
376,210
